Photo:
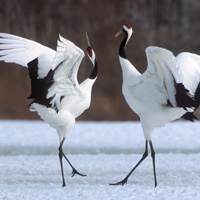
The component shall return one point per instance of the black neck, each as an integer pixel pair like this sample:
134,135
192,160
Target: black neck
94,73
122,52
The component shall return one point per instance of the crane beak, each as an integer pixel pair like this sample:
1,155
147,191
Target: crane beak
118,33
87,39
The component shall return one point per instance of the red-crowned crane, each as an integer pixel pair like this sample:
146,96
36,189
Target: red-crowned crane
169,89
57,96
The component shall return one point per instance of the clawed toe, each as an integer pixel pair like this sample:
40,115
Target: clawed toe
74,172
124,181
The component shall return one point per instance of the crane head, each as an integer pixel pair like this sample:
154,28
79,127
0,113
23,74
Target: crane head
126,28
90,51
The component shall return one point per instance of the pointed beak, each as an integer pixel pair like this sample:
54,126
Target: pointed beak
118,33
87,39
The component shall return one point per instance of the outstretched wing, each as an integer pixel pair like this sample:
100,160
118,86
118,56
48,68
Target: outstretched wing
63,75
22,51
161,62
165,73
189,64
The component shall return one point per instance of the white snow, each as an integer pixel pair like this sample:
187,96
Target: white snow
106,152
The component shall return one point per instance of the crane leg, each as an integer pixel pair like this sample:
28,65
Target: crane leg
126,178
61,155
153,160
74,171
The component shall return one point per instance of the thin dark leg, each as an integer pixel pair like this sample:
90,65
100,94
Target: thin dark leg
153,159
143,157
60,154
74,171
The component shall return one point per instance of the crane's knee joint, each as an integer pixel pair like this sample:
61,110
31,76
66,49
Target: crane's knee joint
153,154
60,153
145,154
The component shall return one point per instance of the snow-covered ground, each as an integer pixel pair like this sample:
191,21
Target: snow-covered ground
106,152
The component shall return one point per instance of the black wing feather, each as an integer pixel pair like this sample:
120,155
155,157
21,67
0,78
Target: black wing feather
39,86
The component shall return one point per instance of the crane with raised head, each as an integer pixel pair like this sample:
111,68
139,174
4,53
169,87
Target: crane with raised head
57,96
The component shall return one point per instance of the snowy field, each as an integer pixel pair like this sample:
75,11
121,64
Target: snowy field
106,152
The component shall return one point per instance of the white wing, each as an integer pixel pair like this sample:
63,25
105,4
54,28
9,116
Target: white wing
164,64
189,65
65,67
22,51
161,74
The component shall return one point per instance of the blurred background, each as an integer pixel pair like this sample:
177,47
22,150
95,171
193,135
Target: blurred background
166,23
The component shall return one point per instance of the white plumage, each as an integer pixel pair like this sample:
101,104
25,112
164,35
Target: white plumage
167,90
57,96
21,51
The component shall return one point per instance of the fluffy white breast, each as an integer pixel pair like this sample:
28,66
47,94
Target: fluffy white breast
78,103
